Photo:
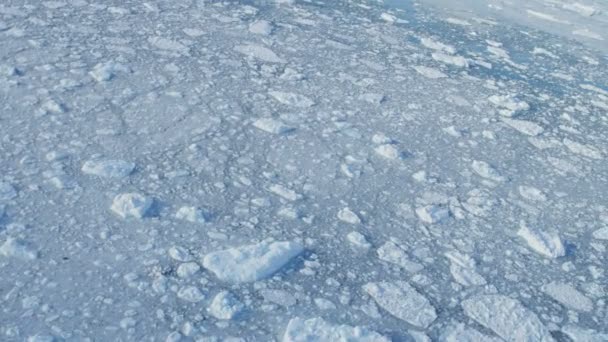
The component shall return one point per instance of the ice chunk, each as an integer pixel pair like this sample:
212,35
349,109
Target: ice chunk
463,269
547,244
284,192
568,296
180,254
292,99
583,149
486,170
526,127
358,239
131,204
507,317
225,305
403,301
461,333
108,168
391,252
7,191
601,234
191,214
428,72
532,194
259,52
438,46
168,45
251,263
388,151
578,334
187,269
348,216
509,104
273,126
190,294
432,214
17,248
317,329
458,61
262,27
104,72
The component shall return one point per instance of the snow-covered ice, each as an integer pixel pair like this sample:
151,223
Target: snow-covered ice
403,301
391,252
271,125
225,305
131,205
18,248
506,317
546,243
568,296
191,214
317,329
348,216
251,263
108,168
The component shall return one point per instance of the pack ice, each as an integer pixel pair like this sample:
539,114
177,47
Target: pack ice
251,263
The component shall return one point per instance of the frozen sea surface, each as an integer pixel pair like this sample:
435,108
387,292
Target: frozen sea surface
303,170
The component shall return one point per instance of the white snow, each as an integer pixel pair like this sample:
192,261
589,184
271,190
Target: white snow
251,263
191,214
403,301
17,248
507,317
569,296
317,329
131,205
225,306
545,243
348,216
108,168
272,126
